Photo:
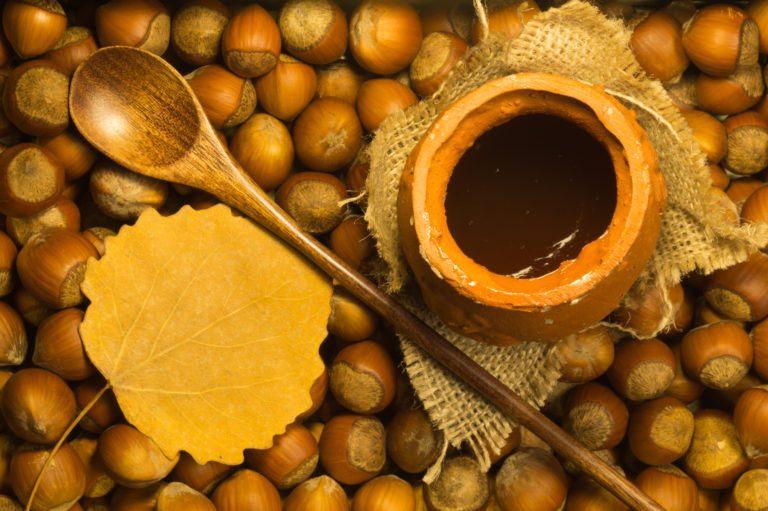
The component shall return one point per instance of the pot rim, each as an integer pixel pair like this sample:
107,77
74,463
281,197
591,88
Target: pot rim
493,104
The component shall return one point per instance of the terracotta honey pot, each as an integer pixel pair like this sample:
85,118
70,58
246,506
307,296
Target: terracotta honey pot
529,208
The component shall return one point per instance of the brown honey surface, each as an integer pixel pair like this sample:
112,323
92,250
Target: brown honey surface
529,195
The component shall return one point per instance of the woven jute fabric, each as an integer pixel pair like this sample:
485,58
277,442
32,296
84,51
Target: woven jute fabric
575,41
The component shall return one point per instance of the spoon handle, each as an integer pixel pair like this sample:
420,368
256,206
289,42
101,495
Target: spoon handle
246,196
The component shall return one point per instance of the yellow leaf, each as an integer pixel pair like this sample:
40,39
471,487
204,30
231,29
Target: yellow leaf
207,327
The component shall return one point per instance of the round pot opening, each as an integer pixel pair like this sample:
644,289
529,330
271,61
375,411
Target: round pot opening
529,194
549,243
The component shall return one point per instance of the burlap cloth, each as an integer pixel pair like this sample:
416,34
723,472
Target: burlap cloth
578,42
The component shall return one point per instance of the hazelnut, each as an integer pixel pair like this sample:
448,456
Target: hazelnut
717,354
586,354
595,416
379,98
327,135
669,486
62,483
13,336
37,405
383,493
51,266
437,55
362,377
201,477
312,199
132,458
227,99
384,35
58,346
175,496
250,44
320,492
32,27
290,461
340,80
462,484
75,45
246,489
287,88
657,43
353,448
715,458
264,148
123,194
144,24
719,38
314,31
660,430
413,443
196,30
31,179
531,479
63,213
350,320
641,369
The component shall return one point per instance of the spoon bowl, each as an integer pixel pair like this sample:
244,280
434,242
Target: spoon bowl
136,108
155,136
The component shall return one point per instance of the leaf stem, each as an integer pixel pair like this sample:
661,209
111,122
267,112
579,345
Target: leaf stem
60,442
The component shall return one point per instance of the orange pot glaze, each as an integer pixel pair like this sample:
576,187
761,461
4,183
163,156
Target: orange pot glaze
529,208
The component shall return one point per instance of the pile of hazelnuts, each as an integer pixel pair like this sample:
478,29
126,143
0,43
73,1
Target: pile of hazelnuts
294,88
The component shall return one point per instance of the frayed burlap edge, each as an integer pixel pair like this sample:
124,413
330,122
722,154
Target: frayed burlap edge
576,41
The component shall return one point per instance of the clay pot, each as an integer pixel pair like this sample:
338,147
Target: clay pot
529,208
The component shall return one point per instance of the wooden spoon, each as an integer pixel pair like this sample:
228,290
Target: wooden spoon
136,108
